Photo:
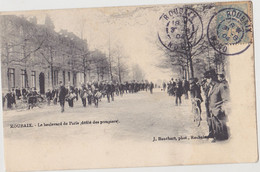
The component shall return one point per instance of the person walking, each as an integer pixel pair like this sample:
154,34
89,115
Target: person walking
49,97
113,89
70,98
186,88
83,95
151,87
164,86
178,92
62,95
108,90
18,93
10,97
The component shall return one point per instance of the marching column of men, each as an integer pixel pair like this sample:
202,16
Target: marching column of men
214,86
89,93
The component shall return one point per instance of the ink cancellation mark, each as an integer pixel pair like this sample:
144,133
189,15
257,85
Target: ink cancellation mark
227,27
179,27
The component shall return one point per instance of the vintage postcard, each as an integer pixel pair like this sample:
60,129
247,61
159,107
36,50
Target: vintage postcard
155,85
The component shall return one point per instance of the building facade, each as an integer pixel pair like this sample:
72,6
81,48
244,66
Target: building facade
35,56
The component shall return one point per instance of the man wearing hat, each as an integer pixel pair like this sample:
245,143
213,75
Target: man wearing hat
62,95
83,94
217,98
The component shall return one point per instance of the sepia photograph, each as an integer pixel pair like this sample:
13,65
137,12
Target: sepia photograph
128,86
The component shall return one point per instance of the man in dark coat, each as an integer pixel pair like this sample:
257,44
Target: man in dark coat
108,90
62,95
49,97
178,92
10,97
24,93
55,94
132,87
121,89
126,88
217,99
76,91
151,87
113,89
18,93
186,88
164,86
83,94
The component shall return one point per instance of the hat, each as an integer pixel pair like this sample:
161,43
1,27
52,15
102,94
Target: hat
192,80
221,75
210,74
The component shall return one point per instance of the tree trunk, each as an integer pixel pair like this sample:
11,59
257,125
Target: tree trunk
185,73
119,76
52,83
84,69
110,71
119,71
52,73
191,67
187,70
8,75
188,48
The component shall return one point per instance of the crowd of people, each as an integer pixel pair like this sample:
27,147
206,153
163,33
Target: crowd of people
92,92
177,88
29,94
89,93
213,88
216,93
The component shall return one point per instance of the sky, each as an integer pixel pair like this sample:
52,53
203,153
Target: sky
132,30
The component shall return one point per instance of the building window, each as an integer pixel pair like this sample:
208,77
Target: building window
74,79
69,76
11,77
55,79
63,74
33,78
23,78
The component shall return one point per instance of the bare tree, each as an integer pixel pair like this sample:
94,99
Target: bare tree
20,39
119,65
188,42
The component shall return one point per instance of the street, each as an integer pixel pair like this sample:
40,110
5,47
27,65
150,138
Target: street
135,120
140,116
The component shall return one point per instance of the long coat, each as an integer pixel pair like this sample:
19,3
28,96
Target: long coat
179,89
62,93
218,95
195,91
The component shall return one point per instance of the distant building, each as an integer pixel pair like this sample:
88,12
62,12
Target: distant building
35,56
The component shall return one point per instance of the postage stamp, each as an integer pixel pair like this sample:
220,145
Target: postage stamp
230,25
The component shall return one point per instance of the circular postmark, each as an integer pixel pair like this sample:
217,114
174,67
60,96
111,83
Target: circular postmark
228,27
180,28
